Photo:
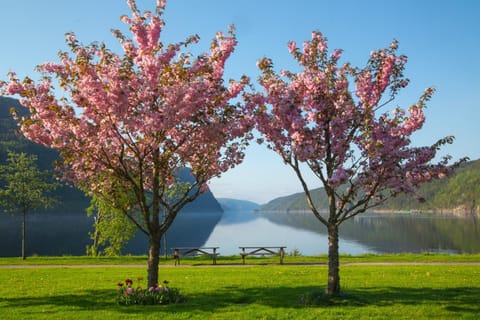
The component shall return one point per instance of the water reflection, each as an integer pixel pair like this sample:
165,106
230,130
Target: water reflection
238,228
190,229
394,233
54,234
46,234
60,234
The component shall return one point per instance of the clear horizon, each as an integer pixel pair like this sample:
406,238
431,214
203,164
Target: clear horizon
441,39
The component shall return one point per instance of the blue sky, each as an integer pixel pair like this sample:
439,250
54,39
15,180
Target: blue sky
440,37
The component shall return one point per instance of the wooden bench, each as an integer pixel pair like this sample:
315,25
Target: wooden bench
193,251
262,251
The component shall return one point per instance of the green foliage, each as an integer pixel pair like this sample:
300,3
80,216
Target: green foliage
25,188
461,190
112,228
114,218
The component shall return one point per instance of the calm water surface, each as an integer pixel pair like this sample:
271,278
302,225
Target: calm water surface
56,235
50,234
368,233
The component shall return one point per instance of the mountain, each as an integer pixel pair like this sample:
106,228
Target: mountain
71,199
296,202
237,205
458,193
205,202
12,140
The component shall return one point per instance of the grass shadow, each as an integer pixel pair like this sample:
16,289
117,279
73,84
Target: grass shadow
460,300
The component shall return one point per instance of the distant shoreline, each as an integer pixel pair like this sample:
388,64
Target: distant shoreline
440,212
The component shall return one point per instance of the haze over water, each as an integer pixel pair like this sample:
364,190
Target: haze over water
54,234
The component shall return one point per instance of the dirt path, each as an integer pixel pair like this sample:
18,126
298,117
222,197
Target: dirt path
38,266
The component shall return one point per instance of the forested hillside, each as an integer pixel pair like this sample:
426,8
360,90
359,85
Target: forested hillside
237,205
71,199
10,138
459,193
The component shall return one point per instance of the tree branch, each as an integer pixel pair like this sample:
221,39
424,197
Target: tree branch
308,195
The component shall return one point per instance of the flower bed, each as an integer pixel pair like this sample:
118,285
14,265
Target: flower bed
158,294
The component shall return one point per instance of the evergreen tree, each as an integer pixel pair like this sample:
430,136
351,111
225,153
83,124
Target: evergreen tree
24,188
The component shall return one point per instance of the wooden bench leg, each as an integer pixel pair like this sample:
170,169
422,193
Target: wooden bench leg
214,256
176,257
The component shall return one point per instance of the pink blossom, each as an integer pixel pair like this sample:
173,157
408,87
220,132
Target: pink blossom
292,46
394,44
161,4
336,54
70,37
14,87
359,154
339,177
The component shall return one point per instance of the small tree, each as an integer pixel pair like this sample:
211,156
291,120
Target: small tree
360,155
112,228
128,124
24,188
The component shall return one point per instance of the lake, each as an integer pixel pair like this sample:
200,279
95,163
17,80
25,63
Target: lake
367,233
53,234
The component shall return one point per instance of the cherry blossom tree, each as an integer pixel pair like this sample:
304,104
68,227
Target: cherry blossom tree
328,117
129,123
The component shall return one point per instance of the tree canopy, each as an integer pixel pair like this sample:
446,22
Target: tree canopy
328,116
129,123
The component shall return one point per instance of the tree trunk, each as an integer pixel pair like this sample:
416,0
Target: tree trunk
165,252
96,235
153,258
333,287
24,256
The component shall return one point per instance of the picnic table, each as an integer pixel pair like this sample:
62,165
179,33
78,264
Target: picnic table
179,252
262,251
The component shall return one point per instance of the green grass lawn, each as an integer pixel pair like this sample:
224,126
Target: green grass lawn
450,291
232,260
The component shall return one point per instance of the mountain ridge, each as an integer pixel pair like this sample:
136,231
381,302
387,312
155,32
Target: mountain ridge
229,204
457,195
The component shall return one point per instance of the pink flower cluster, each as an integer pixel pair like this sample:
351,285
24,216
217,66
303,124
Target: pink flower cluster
360,155
158,289
141,115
